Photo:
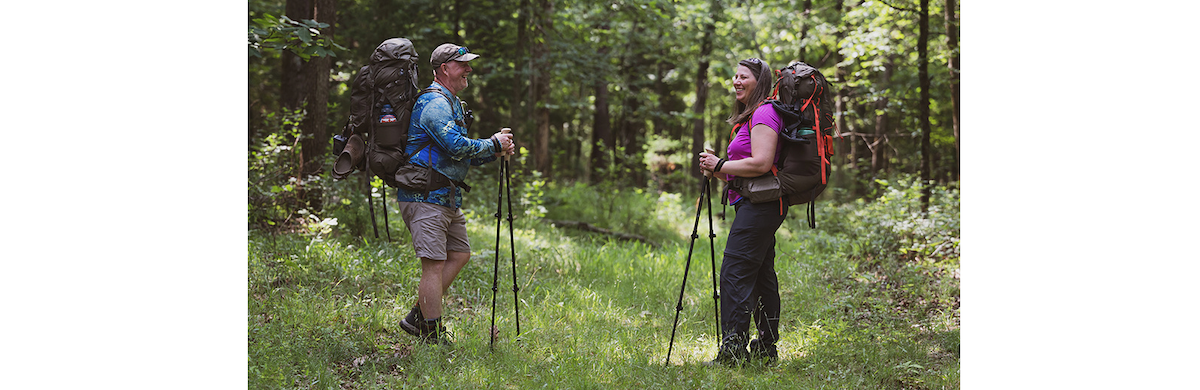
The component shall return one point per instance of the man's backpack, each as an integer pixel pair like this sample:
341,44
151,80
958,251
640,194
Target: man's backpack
800,99
388,82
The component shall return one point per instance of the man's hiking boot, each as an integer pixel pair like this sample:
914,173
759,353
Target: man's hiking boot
410,322
432,332
767,353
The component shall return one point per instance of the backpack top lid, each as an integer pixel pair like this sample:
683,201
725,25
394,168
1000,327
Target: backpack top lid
394,72
394,49
797,84
389,78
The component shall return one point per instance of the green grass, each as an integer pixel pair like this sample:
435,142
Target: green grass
867,303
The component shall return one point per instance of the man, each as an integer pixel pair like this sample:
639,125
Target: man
437,138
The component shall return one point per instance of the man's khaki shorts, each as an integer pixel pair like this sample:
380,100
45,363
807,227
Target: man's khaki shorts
435,229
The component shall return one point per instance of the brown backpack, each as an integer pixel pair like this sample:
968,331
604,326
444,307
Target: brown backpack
807,112
800,99
389,81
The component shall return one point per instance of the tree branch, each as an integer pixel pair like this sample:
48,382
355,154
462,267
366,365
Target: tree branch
828,53
868,135
897,8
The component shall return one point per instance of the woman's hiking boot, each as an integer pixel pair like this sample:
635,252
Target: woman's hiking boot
763,348
732,352
767,353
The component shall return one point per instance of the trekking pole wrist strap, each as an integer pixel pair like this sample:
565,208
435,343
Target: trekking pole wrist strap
720,162
496,143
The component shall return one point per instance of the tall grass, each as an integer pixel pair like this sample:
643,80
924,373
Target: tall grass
869,301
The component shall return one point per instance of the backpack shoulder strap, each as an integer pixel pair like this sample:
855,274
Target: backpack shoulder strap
425,91
439,91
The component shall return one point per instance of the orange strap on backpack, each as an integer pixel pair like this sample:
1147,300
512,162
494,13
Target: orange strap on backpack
823,147
775,172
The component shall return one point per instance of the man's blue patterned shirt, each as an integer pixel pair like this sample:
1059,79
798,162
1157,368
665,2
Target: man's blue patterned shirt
440,118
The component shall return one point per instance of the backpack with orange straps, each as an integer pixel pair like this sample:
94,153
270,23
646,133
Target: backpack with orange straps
803,170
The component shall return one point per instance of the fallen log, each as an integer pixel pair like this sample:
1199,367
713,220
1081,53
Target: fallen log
589,228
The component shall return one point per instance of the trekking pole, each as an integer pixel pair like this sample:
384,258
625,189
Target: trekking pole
385,217
370,201
686,268
511,245
712,252
496,264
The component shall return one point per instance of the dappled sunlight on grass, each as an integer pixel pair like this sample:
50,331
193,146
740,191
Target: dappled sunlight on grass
858,312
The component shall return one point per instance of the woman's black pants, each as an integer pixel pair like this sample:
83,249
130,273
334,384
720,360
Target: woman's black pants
748,281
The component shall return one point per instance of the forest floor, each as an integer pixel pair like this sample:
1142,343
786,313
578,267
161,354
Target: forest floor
870,300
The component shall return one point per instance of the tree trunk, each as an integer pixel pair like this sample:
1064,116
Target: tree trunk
578,158
860,150
953,64
803,30
315,143
631,125
658,122
543,30
716,125
840,178
294,86
517,112
706,46
458,38
602,137
923,76
306,85
698,108
879,144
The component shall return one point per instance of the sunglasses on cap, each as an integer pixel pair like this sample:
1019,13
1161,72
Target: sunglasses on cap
462,50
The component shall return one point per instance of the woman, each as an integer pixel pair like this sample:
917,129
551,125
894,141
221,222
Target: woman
748,281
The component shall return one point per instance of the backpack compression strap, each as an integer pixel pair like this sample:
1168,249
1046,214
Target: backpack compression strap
812,214
820,134
775,172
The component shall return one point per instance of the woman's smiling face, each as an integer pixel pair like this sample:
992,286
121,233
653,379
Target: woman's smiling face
743,83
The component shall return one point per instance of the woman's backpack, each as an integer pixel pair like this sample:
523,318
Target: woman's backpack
802,172
807,137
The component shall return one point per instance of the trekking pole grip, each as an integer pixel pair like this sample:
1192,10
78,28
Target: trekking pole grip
710,151
506,130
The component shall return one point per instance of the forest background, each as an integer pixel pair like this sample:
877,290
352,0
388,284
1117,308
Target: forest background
622,93
1078,257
